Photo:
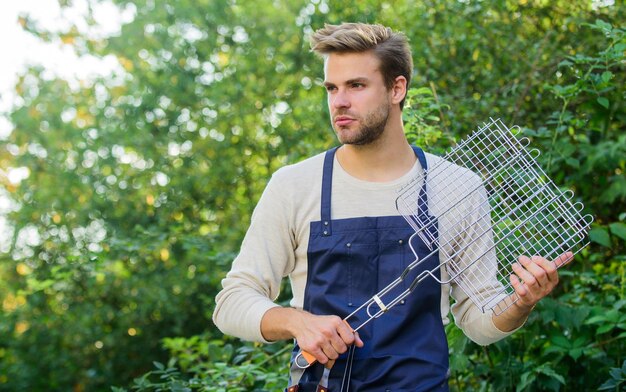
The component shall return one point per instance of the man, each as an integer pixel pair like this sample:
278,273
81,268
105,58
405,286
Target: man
330,224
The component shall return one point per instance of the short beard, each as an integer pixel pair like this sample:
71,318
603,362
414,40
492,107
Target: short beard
373,127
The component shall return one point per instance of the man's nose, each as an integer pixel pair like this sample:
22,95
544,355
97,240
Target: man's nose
340,100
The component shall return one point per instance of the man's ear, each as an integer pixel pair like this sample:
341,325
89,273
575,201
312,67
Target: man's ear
398,90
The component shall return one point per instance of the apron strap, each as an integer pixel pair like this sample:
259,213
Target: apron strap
295,374
421,157
327,182
422,200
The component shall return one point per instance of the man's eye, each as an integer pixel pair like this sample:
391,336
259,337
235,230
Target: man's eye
331,88
357,85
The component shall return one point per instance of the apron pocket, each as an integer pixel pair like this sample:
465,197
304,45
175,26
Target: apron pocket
362,273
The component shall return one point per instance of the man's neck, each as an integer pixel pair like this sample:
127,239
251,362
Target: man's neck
388,158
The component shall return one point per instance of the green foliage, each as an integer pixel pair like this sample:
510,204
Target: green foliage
216,366
584,326
618,378
141,183
422,120
584,139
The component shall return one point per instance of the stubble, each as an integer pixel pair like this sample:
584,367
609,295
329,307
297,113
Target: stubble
370,130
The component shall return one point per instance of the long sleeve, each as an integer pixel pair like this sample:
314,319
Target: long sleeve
467,246
265,258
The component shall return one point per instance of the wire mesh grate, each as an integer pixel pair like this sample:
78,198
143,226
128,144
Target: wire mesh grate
520,211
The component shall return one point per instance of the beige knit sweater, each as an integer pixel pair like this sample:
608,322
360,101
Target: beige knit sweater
275,245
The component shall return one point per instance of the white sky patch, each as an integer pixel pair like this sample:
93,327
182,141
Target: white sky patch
59,59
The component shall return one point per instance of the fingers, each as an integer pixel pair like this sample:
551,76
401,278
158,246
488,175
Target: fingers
563,259
521,292
326,337
320,350
357,340
535,277
327,346
335,344
350,336
346,334
536,271
518,286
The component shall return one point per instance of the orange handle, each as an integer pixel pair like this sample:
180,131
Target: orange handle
309,358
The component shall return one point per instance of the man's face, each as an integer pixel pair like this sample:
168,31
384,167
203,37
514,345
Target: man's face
358,99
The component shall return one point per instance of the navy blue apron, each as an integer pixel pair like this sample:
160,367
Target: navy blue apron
349,261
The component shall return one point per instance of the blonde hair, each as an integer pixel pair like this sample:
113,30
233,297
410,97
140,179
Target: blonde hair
391,48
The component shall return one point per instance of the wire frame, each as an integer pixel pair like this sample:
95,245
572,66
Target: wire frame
492,203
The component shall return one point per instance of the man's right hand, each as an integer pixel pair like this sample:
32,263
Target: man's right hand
324,337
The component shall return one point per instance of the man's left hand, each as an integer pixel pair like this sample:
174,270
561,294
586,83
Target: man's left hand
535,277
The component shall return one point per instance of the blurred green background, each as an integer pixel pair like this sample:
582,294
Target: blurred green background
138,186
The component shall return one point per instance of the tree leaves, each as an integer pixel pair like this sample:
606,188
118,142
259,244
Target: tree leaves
618,229
600,235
